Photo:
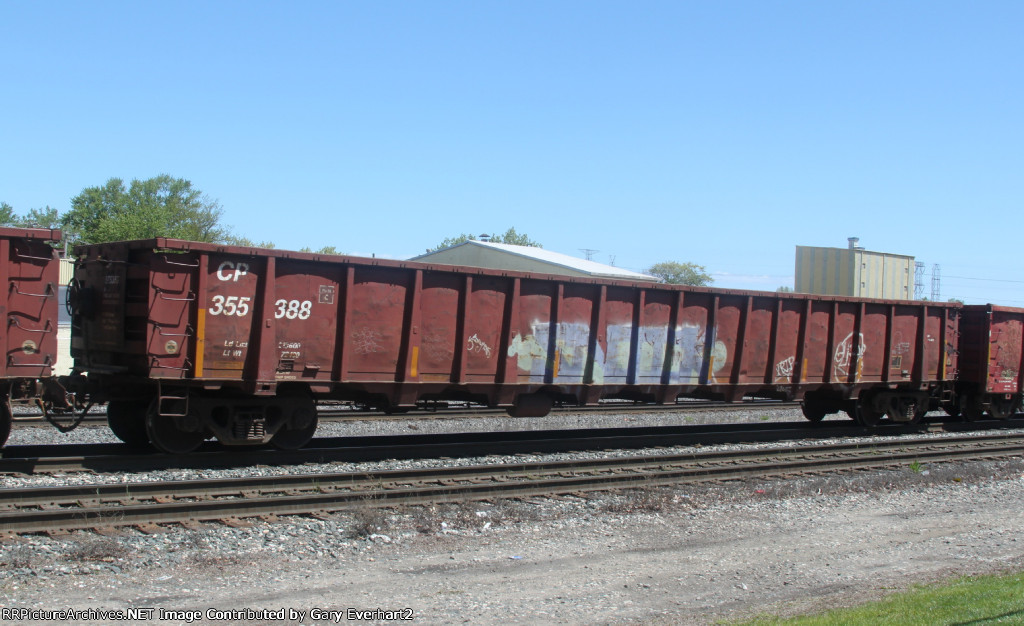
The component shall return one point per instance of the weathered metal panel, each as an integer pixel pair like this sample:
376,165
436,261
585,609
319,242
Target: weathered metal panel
483,348
305,317
442,307
29,274
170,333
573,345
991,348
377,315
227,309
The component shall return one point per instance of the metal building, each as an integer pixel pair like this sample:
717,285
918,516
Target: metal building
854,271
503,256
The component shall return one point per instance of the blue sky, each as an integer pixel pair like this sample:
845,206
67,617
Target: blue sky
723,133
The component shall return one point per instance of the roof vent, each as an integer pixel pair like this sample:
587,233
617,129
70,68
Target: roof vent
853,243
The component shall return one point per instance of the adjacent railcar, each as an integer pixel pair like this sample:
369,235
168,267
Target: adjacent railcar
991,359
239,343
30,275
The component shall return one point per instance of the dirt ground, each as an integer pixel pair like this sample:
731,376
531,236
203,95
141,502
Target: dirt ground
687,555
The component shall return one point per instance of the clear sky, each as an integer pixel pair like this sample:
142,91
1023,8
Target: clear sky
722,132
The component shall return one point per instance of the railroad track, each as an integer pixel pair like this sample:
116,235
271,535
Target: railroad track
334,413
122,458
146,505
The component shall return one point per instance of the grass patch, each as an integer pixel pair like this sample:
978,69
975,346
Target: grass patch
973,600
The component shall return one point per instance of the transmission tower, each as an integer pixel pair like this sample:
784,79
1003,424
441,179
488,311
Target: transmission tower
589,253
918,280
936,282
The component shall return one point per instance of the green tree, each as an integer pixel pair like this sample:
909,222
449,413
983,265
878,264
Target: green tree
245,242
681,273
323,250
7,215
510,236
158,207
39,218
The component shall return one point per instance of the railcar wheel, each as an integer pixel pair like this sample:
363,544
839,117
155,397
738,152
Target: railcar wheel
813,411
298,430
868,415
171,433
531,405
905,409
6,419
127,420
971,408
1001,409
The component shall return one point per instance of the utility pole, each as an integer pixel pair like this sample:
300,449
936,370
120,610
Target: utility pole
918,280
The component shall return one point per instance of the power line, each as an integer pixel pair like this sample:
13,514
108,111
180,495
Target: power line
989,280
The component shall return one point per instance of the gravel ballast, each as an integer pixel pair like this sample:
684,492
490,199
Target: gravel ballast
689,554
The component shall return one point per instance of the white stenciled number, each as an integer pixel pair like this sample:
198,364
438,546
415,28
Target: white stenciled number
231,305
292,309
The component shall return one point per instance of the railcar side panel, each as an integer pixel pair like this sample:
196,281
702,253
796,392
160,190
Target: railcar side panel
992,350
170,318
871,343
228,311
483,349
376,313
30,276
786,349
653,337
843,343
620,309
574,332
754,367
1005,351
304,317
442,296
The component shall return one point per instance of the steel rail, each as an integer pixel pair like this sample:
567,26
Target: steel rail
328,413
118,457
249,497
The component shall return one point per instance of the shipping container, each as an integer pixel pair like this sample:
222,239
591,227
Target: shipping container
991,358
238,343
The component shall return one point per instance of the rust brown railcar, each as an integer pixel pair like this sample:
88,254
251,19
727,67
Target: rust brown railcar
239,343
991,358
30,274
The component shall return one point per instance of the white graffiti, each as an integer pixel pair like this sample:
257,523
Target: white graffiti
475,344
367,340
530,353
784,370
841,363
689,363
572,346
436,347
649,362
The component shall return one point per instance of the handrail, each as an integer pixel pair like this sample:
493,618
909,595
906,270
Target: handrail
49,291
